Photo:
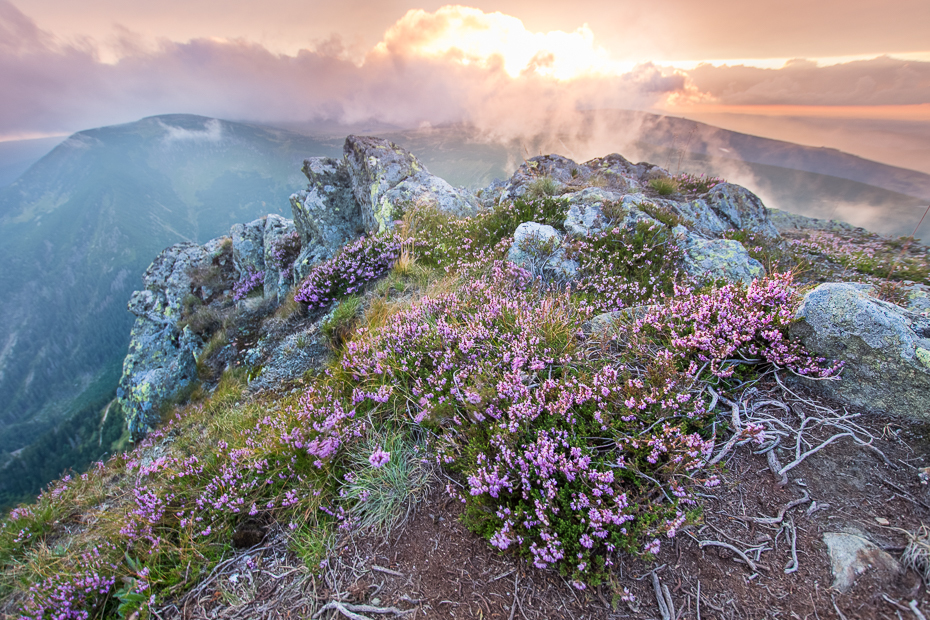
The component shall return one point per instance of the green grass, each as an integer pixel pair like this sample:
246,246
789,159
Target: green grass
542,187
342,321
664,186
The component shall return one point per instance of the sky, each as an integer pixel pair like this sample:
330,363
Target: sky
853,75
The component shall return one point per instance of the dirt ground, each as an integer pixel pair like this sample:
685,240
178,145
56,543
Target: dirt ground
433,567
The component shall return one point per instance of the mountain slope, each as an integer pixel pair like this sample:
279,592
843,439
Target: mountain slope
81,225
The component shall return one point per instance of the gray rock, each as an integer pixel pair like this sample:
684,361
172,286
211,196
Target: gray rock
712,259
162,357
424,188
326,214
376,167
538,248
740,209
248,246
851,556
585,214
726,208
619,174
785,221
886,349
278,277
560,170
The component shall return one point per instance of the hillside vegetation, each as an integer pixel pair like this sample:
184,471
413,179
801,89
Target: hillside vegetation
573,438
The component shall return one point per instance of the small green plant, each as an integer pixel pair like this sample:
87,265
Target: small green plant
387,474
205,320
543,187
341,323
662,213
205,370
664,186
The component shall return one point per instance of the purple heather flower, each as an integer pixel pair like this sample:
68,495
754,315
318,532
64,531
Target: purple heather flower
379,458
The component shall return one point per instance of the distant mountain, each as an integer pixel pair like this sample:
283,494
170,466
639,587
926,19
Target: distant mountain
16,156
78,229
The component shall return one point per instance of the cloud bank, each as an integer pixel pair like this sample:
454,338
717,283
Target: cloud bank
456,64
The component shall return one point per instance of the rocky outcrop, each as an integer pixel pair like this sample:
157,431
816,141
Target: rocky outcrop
248,246
162,356
366,191
385,179
613,192
163,349
886,348
326,214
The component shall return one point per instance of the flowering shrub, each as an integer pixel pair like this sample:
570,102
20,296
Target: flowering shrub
249,282
284,251
623,268
731,325
73,595
361,261
549,443
697,184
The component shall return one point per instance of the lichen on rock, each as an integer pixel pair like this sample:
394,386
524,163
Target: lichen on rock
885,348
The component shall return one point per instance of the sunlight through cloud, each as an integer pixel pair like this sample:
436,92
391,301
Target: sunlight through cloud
470,36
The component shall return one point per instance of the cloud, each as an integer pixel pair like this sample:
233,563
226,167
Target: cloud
879,81
212,132
455,64
449,72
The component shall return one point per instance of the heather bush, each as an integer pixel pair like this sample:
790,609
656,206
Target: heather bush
358,263
284,251
250,281
620,268
729,326
692,184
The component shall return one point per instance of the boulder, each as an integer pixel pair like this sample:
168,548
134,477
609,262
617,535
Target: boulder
585,215
619,174
886,349
538,248
326,214
712,259
377,166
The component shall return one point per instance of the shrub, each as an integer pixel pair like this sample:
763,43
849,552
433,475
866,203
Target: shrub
284,251
620,268
697,184
732,325
250,281
359,262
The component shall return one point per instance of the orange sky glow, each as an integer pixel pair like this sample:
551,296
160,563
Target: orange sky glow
500,65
